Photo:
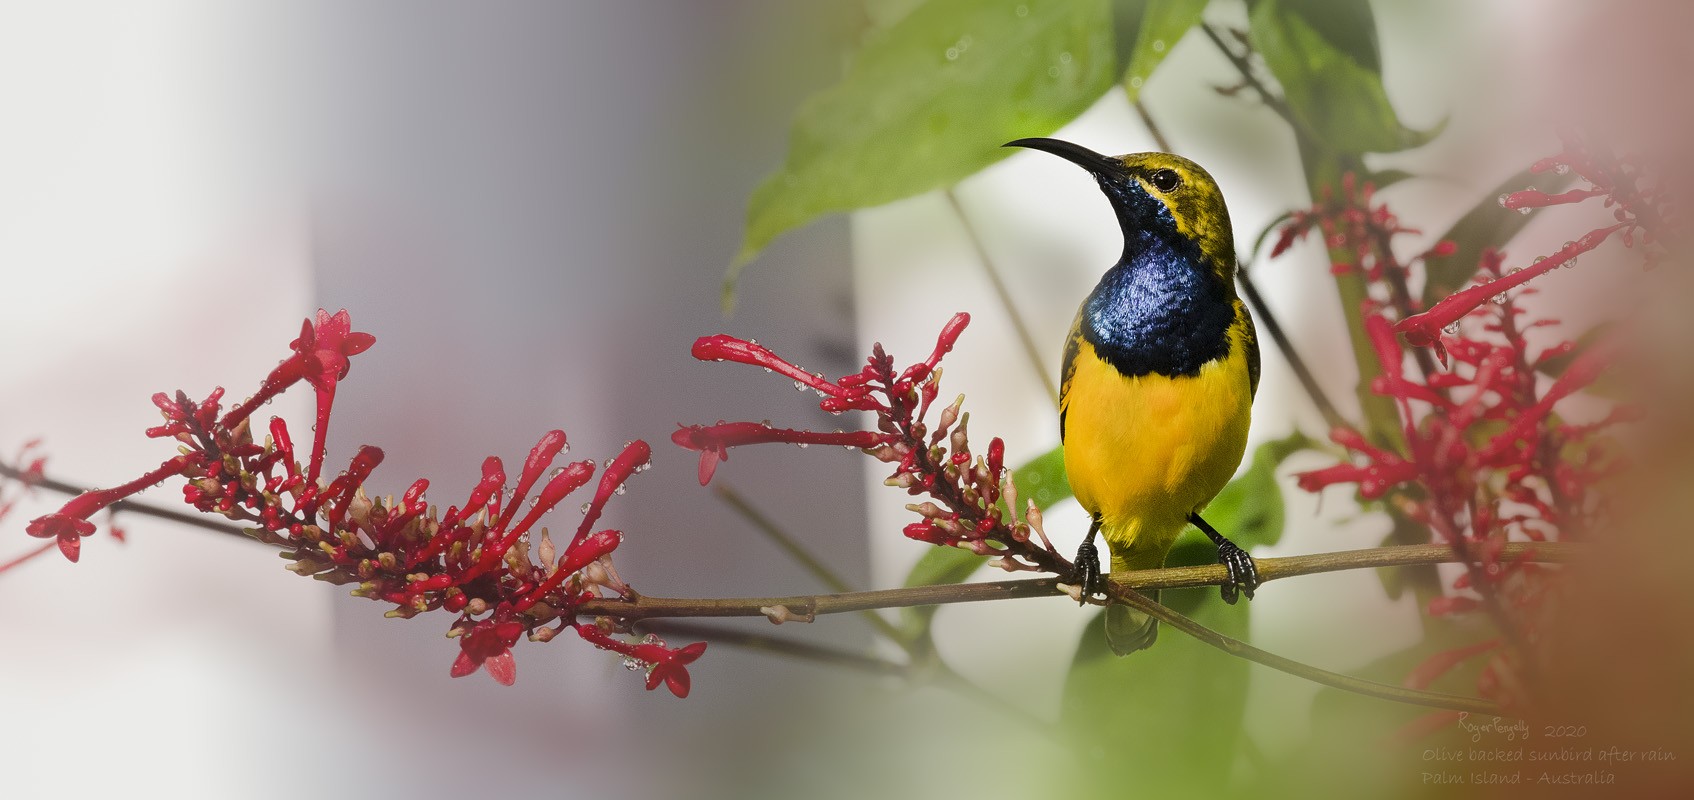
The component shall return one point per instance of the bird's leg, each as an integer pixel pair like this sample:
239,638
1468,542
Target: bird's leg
1087,574
1243,574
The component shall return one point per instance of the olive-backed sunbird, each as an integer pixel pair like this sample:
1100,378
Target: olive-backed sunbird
1159,374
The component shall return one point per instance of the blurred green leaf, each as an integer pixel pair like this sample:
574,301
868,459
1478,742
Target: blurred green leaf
1042,480
1325,56
1384,178
927,102
1554,366
1349,25
1166,720
1163,23
1487,224
1249,510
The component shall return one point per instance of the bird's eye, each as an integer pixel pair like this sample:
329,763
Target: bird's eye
1165,180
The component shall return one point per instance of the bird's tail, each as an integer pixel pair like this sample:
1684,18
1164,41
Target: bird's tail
1129,630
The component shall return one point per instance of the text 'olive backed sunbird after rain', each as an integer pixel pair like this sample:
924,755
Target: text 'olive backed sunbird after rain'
1159,374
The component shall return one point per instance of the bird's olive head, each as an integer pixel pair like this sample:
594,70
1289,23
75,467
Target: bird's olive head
1156,193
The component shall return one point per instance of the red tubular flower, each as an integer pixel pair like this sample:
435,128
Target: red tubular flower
1425,329
664,665
489,644
966,489
713,441
741,351
70,523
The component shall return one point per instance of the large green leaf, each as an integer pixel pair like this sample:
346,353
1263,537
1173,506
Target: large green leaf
1163,23
1165,720
927,102
1487,224
1042,480
1325,56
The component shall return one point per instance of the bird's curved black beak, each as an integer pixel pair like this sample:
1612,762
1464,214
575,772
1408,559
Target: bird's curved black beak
1074,153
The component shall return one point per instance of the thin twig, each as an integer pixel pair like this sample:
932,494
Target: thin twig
1031,351
1240,649
1152,127
777,645
788,544
1243,66
646,607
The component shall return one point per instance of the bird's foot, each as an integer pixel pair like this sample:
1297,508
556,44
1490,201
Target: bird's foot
1243,573
1087,574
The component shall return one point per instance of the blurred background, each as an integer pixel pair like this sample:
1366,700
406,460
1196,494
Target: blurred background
531,205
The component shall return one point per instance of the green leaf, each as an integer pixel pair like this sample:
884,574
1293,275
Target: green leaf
1165,719
1487,224
1249,510
1042,479
1554,366
1325,56
1163,24
928,102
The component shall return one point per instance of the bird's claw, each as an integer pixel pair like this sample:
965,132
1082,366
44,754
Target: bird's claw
1243,573
1087,574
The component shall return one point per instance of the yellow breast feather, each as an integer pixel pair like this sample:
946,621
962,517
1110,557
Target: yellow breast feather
1144,452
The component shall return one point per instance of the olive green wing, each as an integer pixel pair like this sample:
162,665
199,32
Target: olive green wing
1067,369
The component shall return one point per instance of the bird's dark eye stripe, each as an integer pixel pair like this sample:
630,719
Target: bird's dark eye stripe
1165,180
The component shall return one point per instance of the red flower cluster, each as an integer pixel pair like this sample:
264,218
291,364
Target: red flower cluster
1482,458
1639,209
1350,222
966,491
482,560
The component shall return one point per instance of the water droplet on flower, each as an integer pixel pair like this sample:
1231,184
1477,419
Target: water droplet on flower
768,370
585,507
1503,198
1561,168
952,54
620,490
1499,299
752,341
1516,270
1451,329
801,444
1525,210
1158,45
800,385
631,664
1136,81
